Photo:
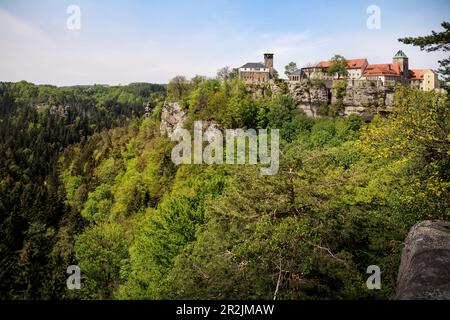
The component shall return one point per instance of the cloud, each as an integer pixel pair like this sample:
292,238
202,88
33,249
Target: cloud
84,57
75,57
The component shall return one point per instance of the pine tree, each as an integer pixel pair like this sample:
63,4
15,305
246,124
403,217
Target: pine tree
437,41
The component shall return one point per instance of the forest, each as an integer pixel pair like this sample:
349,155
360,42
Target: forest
36,124
87,179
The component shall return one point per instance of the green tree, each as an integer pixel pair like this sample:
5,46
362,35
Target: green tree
338,66
274,74
167,232
290,68
178,87
224,73
100,252
437,41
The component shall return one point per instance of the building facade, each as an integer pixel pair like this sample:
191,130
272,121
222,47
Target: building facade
257,72
386,73
296,76
355,69
425,80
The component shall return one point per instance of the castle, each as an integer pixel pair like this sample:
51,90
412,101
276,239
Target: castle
257,72
357,70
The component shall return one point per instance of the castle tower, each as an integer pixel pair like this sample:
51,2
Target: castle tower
268,60
402,60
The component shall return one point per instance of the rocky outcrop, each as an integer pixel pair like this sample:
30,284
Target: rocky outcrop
361,99
425,264
59,110
148,108
309,98
172,117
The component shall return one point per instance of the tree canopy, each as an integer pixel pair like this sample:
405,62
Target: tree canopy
290,68
437,41
338,66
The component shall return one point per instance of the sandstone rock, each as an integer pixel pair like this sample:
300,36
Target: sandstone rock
308,98
172,118
425,264
360,100
60,110
148,109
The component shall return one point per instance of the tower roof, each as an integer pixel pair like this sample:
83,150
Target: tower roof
400,54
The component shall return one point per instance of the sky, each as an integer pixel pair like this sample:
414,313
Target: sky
120,42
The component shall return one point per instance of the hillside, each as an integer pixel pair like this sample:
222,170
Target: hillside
36,124
344,198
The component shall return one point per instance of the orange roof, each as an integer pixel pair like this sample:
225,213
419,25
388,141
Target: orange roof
386,69
417,74
351,64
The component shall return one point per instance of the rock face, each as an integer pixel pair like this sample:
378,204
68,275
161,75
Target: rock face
358,99
309,98
425,265
172,118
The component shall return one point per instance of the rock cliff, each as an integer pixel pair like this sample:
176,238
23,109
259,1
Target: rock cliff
365,100
424,271
314,99
172,117
309,98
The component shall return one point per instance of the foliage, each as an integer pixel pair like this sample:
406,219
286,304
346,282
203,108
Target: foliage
178,87
40,209
290,68
225,73
113,202
338,66
435,42
100,250
336,108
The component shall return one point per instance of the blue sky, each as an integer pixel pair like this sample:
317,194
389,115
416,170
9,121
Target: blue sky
152,41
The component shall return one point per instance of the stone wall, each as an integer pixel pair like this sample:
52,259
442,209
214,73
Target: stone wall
253,76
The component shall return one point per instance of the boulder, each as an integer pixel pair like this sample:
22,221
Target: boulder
424,272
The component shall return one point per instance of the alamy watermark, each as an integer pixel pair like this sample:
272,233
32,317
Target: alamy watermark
374,20
374,281
262,147
74,20
74,280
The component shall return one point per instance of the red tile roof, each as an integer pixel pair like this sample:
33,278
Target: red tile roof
351,64
386,69
417,74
